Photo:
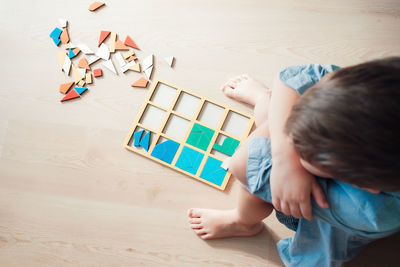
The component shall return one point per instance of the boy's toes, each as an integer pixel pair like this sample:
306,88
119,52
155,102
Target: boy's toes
228,91
196,226
206,236
200,231
194,213
195,221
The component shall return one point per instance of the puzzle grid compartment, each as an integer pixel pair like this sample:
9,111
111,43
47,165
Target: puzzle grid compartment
188,132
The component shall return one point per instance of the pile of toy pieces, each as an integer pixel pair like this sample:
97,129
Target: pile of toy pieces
82,72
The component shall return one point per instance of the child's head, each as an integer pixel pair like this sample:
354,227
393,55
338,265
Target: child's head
346,124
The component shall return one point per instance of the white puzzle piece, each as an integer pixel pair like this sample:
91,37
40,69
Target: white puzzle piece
147,62
120,59
63,23
109,65
82,71
85,49
169,60
127,66
148,72
103,52
67,65
92,59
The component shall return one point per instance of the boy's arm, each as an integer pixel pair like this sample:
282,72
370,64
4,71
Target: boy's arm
291,184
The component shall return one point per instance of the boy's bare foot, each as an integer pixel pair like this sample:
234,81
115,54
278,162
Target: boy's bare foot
210,224
245,89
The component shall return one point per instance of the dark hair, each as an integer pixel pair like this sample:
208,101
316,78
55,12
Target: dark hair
346,124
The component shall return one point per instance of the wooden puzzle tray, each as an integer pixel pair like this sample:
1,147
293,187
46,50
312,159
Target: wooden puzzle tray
188,132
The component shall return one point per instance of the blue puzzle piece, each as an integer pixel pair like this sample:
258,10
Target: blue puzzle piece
55,34
80,90
56,41
213,172
189,160
71,53
165,151
136,137
145,141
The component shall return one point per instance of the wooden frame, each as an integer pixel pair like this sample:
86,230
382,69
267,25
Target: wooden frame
158,133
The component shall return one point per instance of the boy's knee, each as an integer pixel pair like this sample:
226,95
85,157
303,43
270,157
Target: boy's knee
238,167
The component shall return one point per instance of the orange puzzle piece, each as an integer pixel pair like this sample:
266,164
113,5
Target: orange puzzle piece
71,95
83,63
132,58
119,45
103,36
76,51
142,82
95,5
65,87
64,37
130,42
97,72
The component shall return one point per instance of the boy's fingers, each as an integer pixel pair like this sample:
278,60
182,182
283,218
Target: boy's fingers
277,204
318,195
295,211
306,210
285,208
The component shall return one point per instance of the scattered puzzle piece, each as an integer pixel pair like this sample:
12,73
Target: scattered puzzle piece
67,65
88,78
80,90
127,66
145,141
73,52
148,62
120,59
81,83
225,164
83,63
113,39
213,172
119,45
92,59
165,151
142,82
128,54
95,5
136,67
97,72
85,49
64,37
130,42
136,137
109,65
189,160
228,146
103,36
71,95
77,75
200,136
63,23
132,58
55,34
103,52
169,60
148,72
61,58
65,87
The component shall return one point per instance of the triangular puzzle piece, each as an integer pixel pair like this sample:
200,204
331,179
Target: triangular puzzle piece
136,137
142,82
64,37
71,95
71,53
103,52
83,63
148,72
92,59
103,36
189,160
128,54
119,45
67,65
147,62
61,58
95,5
76,73
63,23
109,65
169,60
80,90
145,141
85,49
127,66
136,67
65,87
130,42
165,151
213,172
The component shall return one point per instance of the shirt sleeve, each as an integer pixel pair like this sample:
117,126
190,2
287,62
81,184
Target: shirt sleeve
302,77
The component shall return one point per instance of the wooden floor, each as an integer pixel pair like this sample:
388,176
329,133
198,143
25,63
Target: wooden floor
70,194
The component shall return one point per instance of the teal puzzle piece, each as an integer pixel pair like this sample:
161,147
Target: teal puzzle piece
189,160
213,172
80,90
71,53
136,137
200,136
228,146
165,151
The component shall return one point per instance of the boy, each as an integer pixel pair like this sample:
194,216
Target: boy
335,153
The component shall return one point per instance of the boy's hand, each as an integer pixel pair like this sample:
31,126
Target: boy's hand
292,187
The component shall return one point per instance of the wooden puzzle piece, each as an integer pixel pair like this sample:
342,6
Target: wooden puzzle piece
65,87
189,160
83,63
225,164
82,72
148,72
200,136
131,58
136,67
145,141
88,78
92,59
127,66
61,59
128,54
64,37
228,146
73,52
147,62
81,83
120,59
95,5
142,82
85,49
130,42
97,73
63,23
109,65
137,136
67,65
103,36
169,60
80,90
165,151
55,35
213,172
119,45
103,52
113,39
71,95
77,75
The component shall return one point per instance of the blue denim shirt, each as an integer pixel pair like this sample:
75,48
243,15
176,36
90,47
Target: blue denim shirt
354,218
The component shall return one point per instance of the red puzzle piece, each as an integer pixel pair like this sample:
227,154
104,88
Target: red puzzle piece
103,36
71,95
131,43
